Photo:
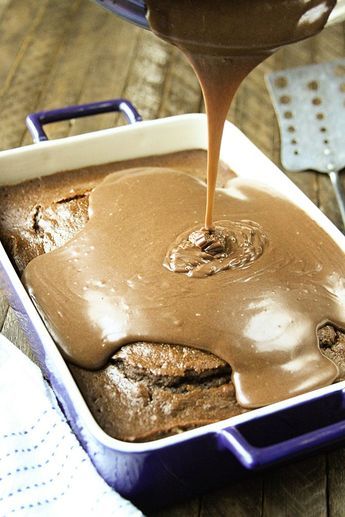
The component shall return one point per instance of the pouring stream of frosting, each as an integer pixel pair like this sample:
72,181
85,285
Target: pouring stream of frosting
224,40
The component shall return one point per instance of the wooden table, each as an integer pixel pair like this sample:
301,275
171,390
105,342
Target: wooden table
55,53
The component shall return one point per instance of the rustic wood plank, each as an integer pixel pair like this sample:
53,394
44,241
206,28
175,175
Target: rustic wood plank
145,83
88,68
161,82
297,490
3,5
108,71
188,509
336,483
252,109
240,500
22,91
181,92
17,23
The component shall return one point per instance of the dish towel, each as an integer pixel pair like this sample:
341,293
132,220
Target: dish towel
43,469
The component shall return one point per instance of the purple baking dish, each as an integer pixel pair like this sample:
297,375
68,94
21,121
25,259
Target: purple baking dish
161,472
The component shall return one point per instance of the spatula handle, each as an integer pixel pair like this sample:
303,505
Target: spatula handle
339,192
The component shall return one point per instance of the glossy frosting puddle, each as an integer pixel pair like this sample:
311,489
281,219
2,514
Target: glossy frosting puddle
229,245
107,287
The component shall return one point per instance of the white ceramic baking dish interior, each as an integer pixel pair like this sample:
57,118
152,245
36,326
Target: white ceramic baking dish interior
138,140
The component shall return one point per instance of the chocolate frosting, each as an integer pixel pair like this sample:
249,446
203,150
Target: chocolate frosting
107,286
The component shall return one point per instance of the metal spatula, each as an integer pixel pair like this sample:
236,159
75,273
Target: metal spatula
310,105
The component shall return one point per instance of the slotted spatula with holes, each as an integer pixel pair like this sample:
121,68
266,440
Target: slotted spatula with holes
310,105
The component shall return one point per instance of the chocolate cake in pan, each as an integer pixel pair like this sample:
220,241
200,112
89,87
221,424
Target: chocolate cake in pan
146,390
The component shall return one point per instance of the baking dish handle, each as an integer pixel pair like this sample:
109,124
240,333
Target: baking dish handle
254,457
36,121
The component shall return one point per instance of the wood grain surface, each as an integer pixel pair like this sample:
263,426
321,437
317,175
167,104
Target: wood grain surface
56,53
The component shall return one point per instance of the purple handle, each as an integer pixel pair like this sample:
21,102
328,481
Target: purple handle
259,455
35,121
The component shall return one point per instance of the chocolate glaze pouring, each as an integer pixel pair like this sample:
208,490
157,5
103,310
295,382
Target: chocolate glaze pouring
224,40
108,287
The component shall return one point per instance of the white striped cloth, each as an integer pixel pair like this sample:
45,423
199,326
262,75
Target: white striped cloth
43,469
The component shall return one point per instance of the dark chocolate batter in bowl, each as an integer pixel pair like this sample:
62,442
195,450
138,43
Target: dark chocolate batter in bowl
248,292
